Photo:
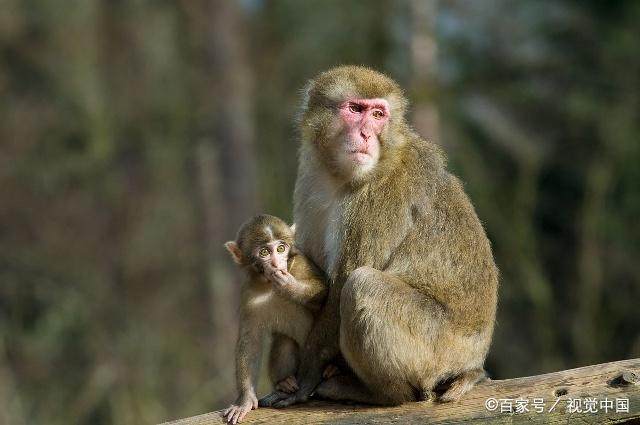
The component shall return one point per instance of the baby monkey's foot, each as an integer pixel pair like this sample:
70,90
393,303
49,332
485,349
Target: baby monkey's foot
330,370
288,385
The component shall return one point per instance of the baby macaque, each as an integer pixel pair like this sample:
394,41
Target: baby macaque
282,292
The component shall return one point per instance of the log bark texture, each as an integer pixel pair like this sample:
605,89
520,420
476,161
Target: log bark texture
607,382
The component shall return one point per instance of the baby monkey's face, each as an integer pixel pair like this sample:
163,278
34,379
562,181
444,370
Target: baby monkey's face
272,256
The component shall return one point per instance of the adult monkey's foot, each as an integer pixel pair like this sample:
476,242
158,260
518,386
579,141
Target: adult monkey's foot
280,399
286,395
299,396
287,385
330,371
270,399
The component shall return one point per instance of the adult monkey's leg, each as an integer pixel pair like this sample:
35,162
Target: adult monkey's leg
347,387
397,340
463,383
378,342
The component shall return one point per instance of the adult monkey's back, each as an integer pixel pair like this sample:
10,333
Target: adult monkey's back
413,289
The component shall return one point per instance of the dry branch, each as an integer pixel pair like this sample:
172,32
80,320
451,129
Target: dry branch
605,382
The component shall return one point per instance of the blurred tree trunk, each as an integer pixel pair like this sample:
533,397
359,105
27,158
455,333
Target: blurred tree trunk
11,409
424,66
222,168
587,337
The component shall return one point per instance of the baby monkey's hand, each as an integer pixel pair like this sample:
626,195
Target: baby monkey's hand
280,278
237,411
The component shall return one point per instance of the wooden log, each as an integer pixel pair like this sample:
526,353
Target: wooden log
602,390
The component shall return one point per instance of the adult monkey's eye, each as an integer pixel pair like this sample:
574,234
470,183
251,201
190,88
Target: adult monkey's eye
263,252
354,107
377,114
280,248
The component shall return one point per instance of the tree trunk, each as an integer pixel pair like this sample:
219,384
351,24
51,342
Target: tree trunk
222,166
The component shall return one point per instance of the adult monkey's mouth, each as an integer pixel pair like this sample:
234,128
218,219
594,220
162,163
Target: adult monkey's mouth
360,156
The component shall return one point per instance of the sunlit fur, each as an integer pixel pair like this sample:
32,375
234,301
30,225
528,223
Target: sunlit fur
321,126
283,314
257,232
412,273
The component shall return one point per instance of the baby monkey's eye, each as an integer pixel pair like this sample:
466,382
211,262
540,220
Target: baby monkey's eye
280,248
377,114
263,252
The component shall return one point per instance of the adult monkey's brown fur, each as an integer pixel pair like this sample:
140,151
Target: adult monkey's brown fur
413,290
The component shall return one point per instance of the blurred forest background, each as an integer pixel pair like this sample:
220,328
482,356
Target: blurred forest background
135,136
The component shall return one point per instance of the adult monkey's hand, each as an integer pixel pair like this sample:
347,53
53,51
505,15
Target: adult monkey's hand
413,288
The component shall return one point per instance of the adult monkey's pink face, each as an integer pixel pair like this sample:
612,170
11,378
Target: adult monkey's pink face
350,116
363,121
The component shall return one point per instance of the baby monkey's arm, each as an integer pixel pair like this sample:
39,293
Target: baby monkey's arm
303,283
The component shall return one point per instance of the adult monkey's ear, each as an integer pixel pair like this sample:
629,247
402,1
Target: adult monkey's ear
234,250
293,228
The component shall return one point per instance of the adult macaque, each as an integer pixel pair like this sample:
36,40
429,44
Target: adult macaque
413,290
282,292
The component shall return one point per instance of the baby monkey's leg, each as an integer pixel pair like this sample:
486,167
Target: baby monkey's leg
283,363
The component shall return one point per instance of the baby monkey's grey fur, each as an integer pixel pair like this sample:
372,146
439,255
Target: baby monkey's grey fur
280,306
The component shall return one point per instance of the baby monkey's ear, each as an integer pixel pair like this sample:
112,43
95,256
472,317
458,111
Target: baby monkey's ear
234,250
293,228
